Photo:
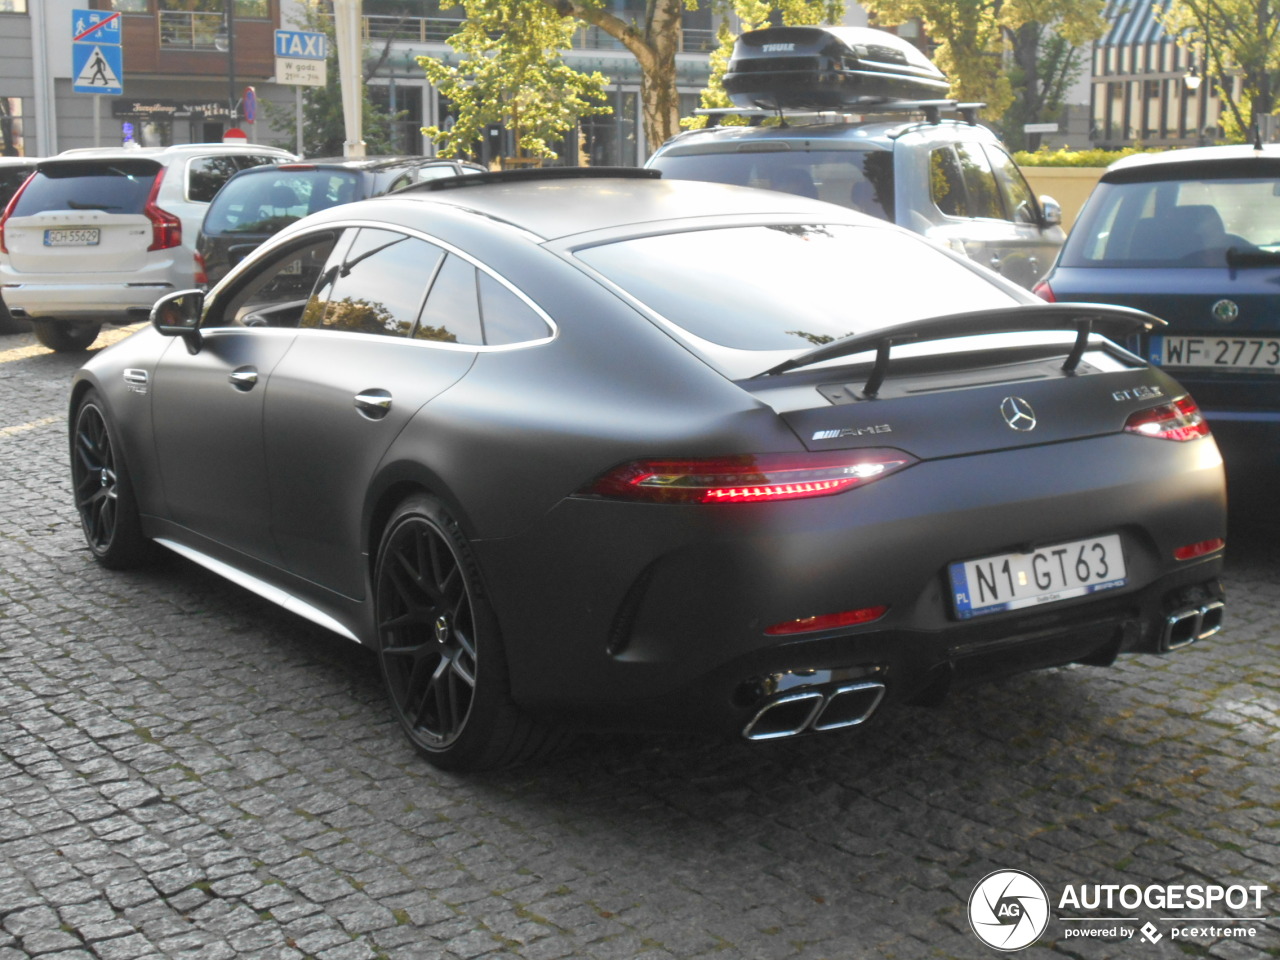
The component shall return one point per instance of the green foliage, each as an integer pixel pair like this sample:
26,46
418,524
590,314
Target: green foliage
1230,39
1075,158
323,126
511,72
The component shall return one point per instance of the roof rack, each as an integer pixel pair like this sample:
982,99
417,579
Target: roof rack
932,110
530,173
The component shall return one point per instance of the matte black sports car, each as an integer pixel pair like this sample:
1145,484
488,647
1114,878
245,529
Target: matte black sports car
605,448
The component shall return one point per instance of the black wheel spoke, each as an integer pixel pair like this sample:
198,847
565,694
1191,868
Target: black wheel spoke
427,646
94,478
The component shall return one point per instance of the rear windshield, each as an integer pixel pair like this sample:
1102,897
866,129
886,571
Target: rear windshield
1176,223
791,286
116,186
268,202
859,179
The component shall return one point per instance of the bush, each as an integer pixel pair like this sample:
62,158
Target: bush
1075,158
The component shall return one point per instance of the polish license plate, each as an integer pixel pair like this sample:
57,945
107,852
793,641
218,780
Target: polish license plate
1011,581
86,237
1233,353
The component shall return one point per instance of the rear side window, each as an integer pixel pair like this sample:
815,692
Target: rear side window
10,180
117,186
206,175
452,313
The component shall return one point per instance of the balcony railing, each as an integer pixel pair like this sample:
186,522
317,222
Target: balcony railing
440,29
193,30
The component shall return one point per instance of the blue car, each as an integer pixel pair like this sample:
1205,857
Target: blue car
1193,236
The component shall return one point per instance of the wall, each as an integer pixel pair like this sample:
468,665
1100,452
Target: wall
1070,186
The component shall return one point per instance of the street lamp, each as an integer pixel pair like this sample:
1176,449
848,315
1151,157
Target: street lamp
1195,82
225,40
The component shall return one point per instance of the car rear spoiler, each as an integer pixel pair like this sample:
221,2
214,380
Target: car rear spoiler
1083,318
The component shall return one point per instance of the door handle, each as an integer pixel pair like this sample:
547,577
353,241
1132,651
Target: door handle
244,378
373,404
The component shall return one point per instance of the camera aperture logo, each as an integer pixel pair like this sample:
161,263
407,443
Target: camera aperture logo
1008,910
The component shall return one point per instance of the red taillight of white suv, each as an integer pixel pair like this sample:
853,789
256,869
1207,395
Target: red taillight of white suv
8,210
166,229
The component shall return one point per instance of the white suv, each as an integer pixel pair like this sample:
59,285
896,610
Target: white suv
97,236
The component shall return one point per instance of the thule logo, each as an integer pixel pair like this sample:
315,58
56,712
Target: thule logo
778,47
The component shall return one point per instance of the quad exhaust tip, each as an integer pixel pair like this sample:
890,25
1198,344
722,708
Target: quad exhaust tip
792,713
1186,626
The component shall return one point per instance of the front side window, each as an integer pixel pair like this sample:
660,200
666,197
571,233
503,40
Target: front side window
793,285
1018,198
275,294
980,183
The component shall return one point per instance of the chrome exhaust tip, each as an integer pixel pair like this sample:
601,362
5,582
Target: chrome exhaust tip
1186,626
844,706
849,705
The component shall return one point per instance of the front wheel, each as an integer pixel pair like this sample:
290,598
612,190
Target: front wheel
439,647
61,336
103,490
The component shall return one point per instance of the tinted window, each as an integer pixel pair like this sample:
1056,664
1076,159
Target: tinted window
452,313
946,183
859,179
506,317
264,203
1185,223
10,180
980,183
117,186
379,286
206,175
806,284
276,293
1018,198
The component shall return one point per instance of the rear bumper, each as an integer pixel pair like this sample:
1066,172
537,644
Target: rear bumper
90,302
657,614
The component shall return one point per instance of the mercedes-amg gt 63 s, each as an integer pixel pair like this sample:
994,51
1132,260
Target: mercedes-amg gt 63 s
589,446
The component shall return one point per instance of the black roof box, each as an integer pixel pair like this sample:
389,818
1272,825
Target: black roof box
827,68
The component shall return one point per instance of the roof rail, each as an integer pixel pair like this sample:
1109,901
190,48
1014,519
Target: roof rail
530,173
932,109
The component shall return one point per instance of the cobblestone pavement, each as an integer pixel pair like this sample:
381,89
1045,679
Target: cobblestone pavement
186,771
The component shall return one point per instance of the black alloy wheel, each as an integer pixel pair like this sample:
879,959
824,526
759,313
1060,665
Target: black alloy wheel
439,648
103,490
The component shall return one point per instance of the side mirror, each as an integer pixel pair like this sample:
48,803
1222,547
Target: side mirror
1051,211
178,315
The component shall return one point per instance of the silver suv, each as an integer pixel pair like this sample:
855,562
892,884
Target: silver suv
97,236
848,136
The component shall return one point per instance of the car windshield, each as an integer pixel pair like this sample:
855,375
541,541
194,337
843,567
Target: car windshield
792,286
269,202
1178,223
117,186
859,179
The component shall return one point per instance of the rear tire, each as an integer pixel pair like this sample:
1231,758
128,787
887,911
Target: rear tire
439,647
62,336
103,490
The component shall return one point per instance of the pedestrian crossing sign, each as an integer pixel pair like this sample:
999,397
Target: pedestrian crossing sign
97,68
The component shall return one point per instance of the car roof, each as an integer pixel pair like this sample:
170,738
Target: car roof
865,133
176,151
1228,153
554,207
372,164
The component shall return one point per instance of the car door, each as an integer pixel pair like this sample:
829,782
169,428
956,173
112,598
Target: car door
363,364
207,406
1033,242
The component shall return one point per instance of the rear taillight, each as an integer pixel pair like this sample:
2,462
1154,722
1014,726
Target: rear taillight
8,212
166,229
1202,549
1178,420
1044,292
202,275
747,479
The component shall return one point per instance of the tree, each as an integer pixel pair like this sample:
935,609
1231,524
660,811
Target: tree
1234,38
978,40
511,72
323,129
654,35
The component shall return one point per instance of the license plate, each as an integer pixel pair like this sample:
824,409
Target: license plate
1011,581
1233,353
87,237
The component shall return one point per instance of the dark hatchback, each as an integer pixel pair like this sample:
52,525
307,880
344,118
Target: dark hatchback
1193,236
249,209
